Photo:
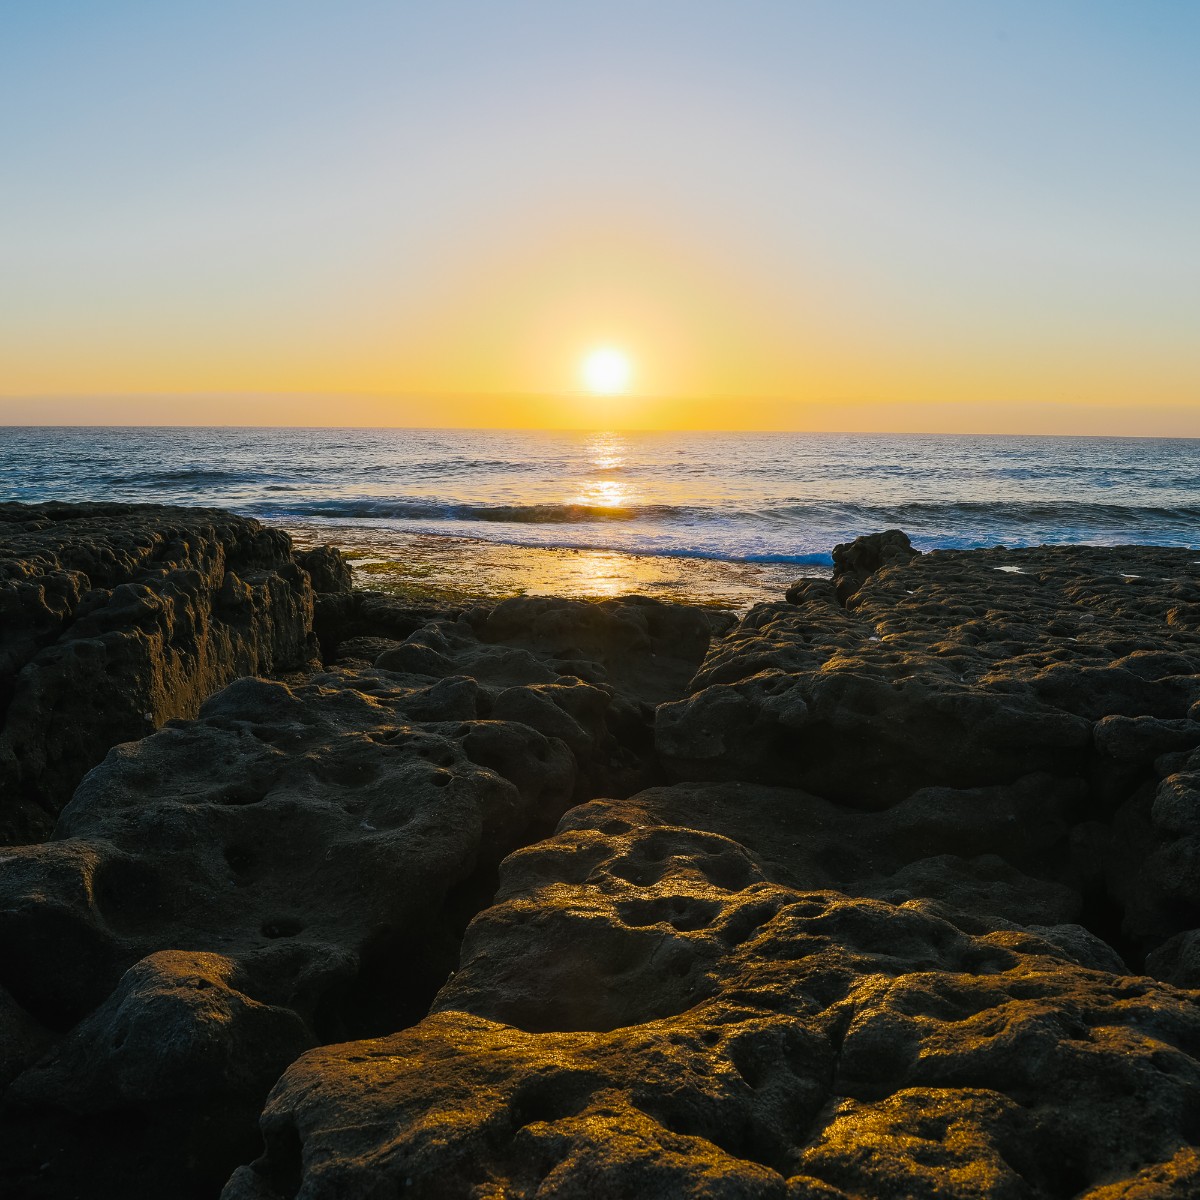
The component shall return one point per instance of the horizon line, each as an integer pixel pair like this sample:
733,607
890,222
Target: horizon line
601,429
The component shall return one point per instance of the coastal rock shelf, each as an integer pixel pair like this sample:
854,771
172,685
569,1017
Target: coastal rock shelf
979,669
115,618
295,866
651,1010
960,668
922,977
890,888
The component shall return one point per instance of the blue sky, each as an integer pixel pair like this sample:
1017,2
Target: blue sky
814,203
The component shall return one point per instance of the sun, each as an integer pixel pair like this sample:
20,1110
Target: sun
607,371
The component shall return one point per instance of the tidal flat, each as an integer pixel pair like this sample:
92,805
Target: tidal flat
441,569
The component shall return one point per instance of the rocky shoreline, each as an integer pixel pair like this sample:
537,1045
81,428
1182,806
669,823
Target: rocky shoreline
890,888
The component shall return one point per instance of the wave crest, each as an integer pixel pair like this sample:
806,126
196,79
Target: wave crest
1049,515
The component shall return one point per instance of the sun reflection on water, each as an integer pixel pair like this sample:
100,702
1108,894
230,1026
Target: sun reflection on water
607,452
599,483
600,573
606,493
434,568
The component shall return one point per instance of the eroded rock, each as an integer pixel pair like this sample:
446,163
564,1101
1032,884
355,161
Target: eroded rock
915,977
587,674
855,562
650,1009
115,618
954,668
294,866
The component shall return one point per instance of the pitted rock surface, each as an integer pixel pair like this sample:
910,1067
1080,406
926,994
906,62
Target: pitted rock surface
115,618
956,668
649,1010
892,890
309,855
587,673
646,650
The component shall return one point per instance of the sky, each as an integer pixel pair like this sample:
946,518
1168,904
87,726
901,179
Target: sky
789,214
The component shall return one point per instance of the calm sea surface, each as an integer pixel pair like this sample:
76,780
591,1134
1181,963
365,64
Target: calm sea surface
757,498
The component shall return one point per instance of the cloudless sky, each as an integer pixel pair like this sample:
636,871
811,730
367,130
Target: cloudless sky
911,214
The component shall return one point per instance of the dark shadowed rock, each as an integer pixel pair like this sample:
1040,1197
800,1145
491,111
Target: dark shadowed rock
22,1039
1152,865
588,674
343,617
327,568
855,562
178,1051
115,618
645,648
1177,960
177,1025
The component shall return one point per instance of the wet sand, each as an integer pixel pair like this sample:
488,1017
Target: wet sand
434,569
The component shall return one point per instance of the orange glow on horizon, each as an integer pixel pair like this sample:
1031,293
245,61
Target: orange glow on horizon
498,344
784,216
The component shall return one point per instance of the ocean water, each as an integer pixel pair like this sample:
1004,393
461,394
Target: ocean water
737,497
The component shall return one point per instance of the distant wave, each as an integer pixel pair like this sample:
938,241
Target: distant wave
816,558
798,534
761,498
430,510
184,475
959,515
1048,514
450,466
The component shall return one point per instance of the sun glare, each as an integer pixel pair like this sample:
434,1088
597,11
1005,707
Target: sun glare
606,372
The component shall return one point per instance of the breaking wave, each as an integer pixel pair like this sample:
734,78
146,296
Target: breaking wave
757,498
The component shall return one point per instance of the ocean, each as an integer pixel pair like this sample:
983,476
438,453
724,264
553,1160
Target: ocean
777,502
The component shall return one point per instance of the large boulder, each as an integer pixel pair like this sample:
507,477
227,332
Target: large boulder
114,618
172,1066
855,562
327,568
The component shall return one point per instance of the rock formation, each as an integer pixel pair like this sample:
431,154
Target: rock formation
295,866
115,618
958,668
922,976
891,889
304,858
655,1009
